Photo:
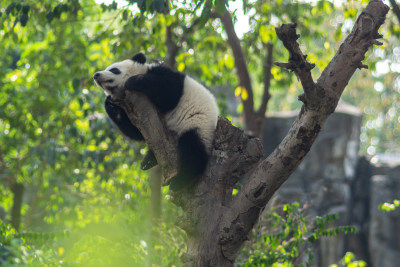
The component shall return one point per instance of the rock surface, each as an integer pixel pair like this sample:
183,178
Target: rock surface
333,178
384,234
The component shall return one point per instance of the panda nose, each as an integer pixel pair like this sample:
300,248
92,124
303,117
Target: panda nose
96,75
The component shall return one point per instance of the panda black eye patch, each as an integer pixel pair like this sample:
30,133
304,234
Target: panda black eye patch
115,71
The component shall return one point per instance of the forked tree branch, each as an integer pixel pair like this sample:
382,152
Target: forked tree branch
216,224
324,96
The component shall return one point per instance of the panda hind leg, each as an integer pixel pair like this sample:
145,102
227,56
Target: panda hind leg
193,159
149,161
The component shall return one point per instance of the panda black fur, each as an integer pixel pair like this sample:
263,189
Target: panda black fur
190,110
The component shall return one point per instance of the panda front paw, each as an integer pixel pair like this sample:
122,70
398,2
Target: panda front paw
111,107
113,110
132,84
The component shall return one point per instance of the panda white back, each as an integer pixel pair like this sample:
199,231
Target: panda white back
197,108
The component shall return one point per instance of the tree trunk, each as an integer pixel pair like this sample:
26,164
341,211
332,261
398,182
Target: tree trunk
234,155
18,191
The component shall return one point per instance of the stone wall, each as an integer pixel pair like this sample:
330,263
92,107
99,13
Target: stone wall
384,228
334,179
359,211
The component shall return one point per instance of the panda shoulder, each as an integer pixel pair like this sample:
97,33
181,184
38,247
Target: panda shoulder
162,69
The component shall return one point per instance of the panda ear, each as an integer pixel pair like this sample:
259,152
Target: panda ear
139,58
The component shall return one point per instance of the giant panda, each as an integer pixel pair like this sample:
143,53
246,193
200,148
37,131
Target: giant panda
189,110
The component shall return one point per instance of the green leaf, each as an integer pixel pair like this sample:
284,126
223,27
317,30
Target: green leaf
348,258
264,33
387,207
10,8
148,4
57,11
75,84
220,6
23,19
205,13
50,16
159,5
229,62
142,4
245,6
125,14
64,7
26,9
181,66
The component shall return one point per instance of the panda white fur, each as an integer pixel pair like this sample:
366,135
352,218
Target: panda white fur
190,110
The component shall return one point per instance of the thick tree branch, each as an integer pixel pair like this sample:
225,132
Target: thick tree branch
396,9
276,169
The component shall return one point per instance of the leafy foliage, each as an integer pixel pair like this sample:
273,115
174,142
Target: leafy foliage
15,251
349,261
79,173
388,207
285,238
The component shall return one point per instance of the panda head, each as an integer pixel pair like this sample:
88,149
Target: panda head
113,78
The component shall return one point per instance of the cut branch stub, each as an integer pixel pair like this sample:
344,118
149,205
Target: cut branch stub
287,34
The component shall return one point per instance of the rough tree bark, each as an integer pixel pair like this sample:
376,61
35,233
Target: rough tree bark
216,223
